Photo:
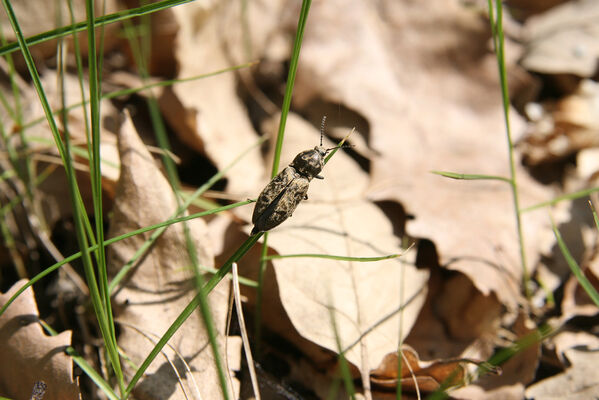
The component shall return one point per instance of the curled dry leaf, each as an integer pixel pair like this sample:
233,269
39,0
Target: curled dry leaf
427,376
161,284
366,300
29,355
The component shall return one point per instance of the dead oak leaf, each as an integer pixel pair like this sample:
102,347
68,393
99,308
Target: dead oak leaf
160,284
29,355
427,376
207,114
578,382
361,301
422,76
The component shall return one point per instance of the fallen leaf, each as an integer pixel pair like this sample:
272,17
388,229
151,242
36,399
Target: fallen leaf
207,114
161,284
563,127
29,355
563,40
426,376
426,83
365,300
568,340
36,17
521,367
580,381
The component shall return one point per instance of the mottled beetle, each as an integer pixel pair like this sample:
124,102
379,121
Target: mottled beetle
281,196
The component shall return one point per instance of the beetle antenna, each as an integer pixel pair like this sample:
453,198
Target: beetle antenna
322,124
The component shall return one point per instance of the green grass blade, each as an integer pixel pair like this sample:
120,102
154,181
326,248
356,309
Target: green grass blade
148,243
297,44
225,269
595,218
114,240
332,257
103,20
141,52
471,177
568,196
498,41
576,270
64,151
343,370
109,334
124,92
502,355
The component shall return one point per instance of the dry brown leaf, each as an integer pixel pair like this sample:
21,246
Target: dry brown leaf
522,366
109,118
207,114
576,301
473,392
161,284
525,8
29,355
367,298
579,382
422,76
587,165
564,40
567,340
427,376
456,321
564,127
39,16
43,149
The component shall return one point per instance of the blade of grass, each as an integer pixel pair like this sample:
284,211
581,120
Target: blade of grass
224,270
333,257
159,128
110,340
124,92
297,45
595,218
343,365
576,270
64,151
114,240
244,335
148,243
471,177
498,41
103,20
568,196
501,356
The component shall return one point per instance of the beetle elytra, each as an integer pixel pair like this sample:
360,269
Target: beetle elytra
284,192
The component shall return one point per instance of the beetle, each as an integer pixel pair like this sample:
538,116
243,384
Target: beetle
284,192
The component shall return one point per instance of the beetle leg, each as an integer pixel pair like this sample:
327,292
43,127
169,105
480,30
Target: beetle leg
319,177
